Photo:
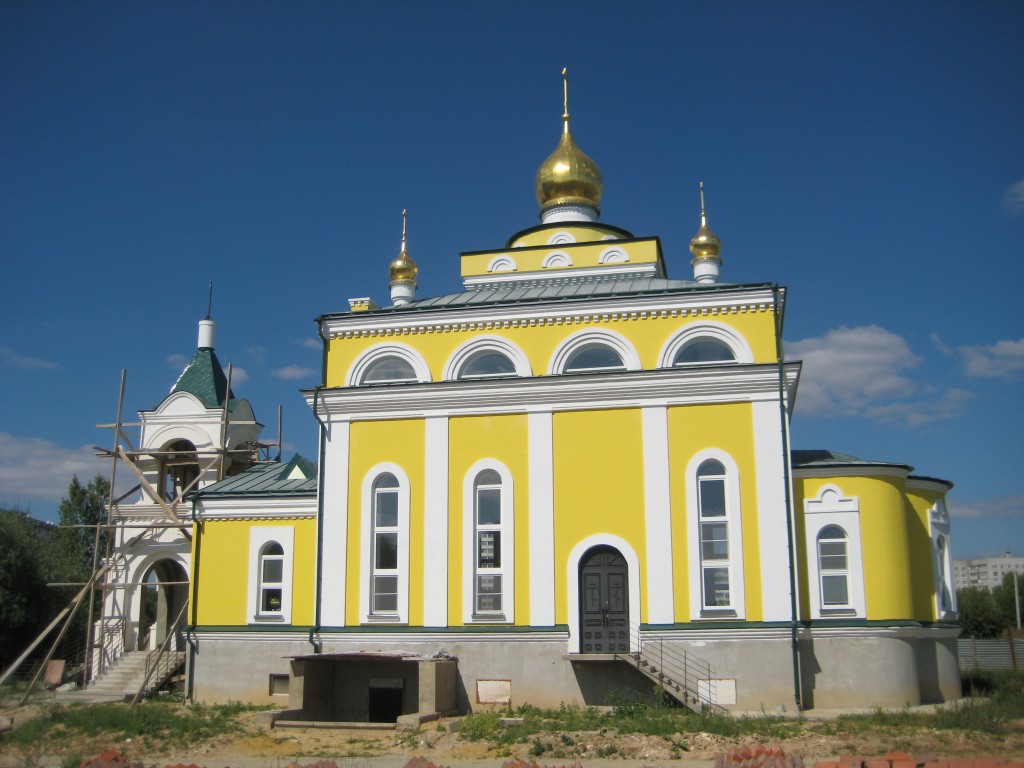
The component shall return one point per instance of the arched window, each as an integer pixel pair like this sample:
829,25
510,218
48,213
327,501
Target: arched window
384,576
833,567
488,598
942,559
704,351
594,357
715,561
271,578
389,370
487,364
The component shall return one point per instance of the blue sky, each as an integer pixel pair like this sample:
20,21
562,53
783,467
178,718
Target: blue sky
868,156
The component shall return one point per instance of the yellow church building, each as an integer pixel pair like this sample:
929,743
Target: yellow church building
567,480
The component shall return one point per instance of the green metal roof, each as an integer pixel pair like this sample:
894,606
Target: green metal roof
204,378
822,458
296,478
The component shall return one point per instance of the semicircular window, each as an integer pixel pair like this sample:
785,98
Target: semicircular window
594,357
704,351
487,364
389,370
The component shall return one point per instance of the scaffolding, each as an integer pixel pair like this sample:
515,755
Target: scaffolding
181,469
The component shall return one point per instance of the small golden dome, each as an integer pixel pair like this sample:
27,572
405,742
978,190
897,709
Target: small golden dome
705,244
568,176
403,269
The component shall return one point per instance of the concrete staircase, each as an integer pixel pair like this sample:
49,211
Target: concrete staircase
123,680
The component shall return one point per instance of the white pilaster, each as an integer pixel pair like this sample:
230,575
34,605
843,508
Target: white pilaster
771,510
542,520
658,516
435,524
334,466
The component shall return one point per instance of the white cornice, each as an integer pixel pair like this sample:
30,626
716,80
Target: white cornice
561,276
664,387
846,470
244,507
568,311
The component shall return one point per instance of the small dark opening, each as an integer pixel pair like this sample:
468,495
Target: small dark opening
385,705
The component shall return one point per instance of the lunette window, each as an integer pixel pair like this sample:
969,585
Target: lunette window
704,351
389,370
384,579
488,581
487,364
594,357
271,578
715,563
834,567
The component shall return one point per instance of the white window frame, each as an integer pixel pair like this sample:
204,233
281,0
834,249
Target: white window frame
705,330
942,560
587,337
489,343
366,548
469,538
259,538
733,520
358,370
843,572
831,507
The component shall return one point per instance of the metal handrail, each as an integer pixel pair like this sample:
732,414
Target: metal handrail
674,665
154,658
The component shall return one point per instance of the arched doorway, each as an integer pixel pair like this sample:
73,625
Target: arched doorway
179,469
162,597
604,601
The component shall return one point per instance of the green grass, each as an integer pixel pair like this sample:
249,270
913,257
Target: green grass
153,720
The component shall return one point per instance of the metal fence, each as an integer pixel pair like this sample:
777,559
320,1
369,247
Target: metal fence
988,654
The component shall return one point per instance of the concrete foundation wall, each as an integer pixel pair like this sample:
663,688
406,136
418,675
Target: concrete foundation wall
863,669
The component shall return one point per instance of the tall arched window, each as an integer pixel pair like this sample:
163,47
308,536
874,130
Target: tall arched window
488,597
384,576
271,579
834,567
942,559
715,560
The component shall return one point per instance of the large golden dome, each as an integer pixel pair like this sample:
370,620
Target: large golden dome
403,269
568,176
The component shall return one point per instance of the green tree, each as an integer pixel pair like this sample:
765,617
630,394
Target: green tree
979,614
1003,597
85,505
27,605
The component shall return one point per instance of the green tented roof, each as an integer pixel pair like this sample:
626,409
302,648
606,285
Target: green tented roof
204,377
297,477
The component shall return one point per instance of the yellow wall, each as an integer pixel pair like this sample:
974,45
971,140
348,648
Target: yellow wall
584,254
223,586
729,428
598,477
887,560
540,342
919,502
504,439
398,442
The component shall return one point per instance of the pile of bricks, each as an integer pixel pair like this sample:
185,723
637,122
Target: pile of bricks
317,764
927,760
524,764
759,756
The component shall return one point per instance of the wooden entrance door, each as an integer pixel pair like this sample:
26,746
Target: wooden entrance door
604,602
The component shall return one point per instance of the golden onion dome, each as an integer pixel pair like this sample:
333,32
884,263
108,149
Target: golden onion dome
705,244
403,269
568,176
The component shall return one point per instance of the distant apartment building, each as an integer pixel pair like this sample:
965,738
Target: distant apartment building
986,571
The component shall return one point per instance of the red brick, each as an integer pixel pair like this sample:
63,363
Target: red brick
876,762
898,756
827,764
851,760
900,762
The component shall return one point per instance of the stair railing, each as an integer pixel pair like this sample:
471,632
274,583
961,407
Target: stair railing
673,664
160,661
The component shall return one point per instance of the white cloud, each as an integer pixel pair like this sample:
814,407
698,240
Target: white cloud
1013,199
238,376
310,343
177,362
294,372
864,372
995,361
10,357
998,507
257,353
34,469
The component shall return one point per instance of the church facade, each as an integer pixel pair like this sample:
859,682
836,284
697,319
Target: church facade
570,478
